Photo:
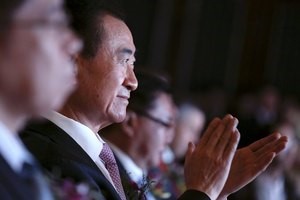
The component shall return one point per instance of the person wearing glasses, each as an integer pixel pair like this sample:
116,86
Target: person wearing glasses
36,75
68,140
140,139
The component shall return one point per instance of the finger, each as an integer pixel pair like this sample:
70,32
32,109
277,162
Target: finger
227,134
216,134
230,149
264,141
191,148
210,129
273,147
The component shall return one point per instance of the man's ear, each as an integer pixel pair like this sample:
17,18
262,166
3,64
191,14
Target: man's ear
130,123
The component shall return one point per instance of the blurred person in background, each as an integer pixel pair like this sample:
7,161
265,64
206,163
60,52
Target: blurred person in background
140,139
267,110
66,141
69,140
189,123
36,75
257,112
277,182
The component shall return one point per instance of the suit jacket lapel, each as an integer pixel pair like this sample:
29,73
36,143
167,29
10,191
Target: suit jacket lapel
68,149
64,142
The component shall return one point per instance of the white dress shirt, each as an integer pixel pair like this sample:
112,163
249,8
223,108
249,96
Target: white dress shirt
15,153
12,149
135,173
89,141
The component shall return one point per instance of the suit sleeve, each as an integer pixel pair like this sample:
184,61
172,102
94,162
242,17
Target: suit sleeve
193,195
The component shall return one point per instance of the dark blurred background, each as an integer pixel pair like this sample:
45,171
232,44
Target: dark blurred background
232,45
236,56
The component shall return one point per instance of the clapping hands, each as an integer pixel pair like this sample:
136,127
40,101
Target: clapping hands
215,166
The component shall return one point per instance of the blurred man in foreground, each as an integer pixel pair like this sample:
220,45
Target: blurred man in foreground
36,75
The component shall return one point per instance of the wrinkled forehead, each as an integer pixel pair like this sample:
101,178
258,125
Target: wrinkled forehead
37,9
116,32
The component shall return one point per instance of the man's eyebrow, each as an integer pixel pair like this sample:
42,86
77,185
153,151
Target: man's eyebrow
126,51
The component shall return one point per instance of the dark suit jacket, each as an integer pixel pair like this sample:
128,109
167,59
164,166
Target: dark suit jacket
56,150
12,186
131,188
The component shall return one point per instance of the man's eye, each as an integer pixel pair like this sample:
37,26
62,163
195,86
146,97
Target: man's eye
128,61
124,61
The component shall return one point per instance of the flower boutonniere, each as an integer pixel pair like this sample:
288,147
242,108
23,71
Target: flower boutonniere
67,189
137,191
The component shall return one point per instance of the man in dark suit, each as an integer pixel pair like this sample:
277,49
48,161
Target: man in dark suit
26,72
68,140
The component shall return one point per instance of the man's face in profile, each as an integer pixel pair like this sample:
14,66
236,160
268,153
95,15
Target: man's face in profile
107,79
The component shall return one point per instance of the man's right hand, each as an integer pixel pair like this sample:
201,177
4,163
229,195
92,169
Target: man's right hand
207,164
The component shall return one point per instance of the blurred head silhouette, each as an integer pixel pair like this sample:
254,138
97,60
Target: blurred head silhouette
36,45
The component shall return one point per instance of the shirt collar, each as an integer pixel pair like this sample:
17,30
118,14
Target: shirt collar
89,141
134,172
12,149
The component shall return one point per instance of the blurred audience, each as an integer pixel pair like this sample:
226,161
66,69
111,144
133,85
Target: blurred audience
140,139
190,121
37,73
259,114
277,182
130,139
68,141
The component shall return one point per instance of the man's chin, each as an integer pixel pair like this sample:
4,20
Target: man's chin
119,118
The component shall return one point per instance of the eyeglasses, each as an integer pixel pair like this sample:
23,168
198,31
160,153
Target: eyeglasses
45,23
159,121
60,24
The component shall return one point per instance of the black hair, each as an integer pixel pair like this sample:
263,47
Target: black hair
150,86
7,10
86,21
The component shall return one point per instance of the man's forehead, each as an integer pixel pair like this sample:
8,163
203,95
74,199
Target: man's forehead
115,27
164,105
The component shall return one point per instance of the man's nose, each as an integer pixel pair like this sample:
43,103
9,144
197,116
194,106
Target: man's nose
131,82
74,44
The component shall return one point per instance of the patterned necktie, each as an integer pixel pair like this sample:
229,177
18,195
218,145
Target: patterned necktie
109,160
